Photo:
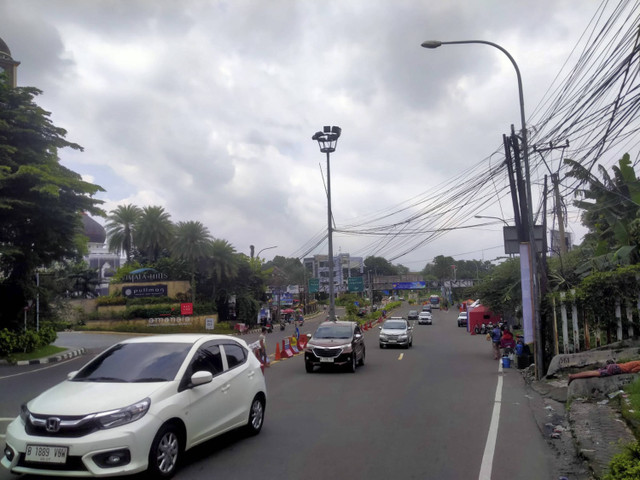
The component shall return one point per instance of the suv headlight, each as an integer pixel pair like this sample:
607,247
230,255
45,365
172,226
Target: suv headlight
122,416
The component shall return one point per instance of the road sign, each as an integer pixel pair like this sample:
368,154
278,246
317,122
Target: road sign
355,284
314,285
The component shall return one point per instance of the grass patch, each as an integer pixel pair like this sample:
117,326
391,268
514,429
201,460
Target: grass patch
47,351
630,407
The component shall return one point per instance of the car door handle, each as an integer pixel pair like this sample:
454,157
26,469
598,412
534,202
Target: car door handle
225,388
251,374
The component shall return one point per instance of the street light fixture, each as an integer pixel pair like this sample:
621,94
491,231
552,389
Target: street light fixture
266,248
528,261
494,218
327,140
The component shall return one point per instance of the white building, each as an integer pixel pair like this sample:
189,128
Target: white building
344,266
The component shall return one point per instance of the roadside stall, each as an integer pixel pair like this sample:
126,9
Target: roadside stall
479,315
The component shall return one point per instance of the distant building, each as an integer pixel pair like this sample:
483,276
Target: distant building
7,64
555,241
100,258
344,267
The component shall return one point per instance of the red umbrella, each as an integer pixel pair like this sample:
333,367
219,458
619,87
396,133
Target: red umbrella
287,310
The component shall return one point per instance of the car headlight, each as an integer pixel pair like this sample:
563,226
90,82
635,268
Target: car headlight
122,416
403,336
383,336
347,348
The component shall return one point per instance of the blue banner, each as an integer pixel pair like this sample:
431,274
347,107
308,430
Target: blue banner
409,285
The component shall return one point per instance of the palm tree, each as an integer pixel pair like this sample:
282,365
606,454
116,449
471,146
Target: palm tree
223,267
153,231
191,242
120,229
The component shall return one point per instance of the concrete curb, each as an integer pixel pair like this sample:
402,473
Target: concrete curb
54,358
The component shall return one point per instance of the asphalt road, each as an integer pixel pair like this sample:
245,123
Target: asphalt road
429,412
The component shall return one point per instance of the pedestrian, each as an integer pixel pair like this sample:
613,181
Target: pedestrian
608,370
496,335
507,341
263,347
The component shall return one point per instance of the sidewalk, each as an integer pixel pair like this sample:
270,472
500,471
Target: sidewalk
53,358
580,421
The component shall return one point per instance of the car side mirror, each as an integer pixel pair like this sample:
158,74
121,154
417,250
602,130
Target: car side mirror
380,327
201,377
358,335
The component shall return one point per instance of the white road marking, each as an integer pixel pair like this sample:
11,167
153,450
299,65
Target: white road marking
490,446
49,365
400,357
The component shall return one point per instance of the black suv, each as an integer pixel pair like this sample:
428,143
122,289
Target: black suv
335,343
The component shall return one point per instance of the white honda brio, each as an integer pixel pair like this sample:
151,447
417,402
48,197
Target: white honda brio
138,406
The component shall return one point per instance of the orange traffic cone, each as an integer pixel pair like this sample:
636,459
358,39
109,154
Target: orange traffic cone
277,351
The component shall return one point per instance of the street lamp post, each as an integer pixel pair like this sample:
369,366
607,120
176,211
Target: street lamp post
493,218
327,140
266,248
528,261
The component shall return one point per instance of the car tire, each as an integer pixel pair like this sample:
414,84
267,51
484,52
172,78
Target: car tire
354,364
361,362
165,452
308,367
256,415
381,346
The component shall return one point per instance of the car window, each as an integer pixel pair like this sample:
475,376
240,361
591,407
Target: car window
136,362
236,355
394,325
208,358
333,331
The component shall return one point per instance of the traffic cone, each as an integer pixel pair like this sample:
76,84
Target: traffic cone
277,351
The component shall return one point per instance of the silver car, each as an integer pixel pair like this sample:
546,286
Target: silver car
396,331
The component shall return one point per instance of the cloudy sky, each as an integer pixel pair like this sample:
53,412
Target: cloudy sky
207,108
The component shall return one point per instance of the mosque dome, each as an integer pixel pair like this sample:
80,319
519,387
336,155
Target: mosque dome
4,50
93,230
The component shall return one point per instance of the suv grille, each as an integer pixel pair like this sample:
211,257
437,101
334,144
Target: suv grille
327,352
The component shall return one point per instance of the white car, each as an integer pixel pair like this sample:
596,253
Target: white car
139,406
396,331
424,318
462,319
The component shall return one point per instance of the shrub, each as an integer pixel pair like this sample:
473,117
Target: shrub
47,334
28,341
8,342
625,465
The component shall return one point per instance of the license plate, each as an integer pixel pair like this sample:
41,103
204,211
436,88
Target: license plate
327,360
46,454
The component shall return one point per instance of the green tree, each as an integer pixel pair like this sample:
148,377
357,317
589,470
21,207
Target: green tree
611,213
191,243
222,267
120,228
440,269
41,201
379,266
153,232
291,267
500,291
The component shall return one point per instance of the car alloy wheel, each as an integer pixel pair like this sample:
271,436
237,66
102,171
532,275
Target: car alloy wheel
256,416
165,452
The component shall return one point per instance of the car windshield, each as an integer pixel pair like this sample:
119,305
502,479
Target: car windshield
333,331
394,325
136,362
412,312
